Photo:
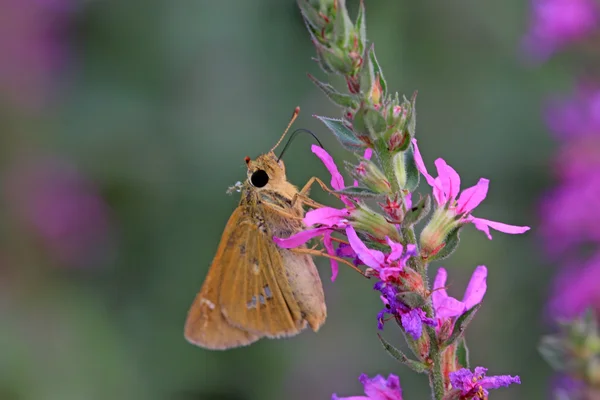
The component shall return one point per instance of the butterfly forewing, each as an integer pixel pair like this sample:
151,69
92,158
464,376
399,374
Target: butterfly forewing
258,296
205,325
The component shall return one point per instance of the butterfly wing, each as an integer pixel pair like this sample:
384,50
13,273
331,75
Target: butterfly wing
205,325
258,296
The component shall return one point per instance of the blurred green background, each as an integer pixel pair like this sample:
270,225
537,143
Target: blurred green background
123,124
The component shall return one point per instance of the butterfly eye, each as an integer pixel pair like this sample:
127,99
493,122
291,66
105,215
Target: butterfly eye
259,178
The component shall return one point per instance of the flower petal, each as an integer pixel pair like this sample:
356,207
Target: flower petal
368,153
484,225
439,292
328,216
411,322
337,180
495,382
379,388
449,180
396,249
329,247
371,258
421,165
476,288
299,238
473,196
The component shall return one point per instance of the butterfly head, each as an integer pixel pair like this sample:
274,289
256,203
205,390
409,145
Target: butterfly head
265,170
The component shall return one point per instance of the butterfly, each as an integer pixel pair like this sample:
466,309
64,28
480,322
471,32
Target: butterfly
254,288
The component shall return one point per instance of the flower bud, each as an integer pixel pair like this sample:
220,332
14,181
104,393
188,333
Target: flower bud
365,219
441,233
371,176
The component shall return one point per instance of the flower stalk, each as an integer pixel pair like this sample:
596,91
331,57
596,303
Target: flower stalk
379,127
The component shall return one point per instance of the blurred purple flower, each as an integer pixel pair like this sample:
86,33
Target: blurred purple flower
570,214
62,207
566,387
555,24
575,288
474,385
577,115
32,48
377,388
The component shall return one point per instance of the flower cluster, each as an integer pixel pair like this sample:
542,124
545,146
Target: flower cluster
373,229
569,212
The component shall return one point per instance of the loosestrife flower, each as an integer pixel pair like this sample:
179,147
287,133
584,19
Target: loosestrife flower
393,272
62,207
558,23
377,388
475,385
447,307
575,289
453,210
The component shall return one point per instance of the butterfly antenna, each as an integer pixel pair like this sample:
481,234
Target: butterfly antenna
294,116
293,135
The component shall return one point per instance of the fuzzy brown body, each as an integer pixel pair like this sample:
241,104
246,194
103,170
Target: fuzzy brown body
254,288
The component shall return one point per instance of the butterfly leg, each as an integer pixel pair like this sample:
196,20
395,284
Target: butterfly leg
282,212
315,252
303,193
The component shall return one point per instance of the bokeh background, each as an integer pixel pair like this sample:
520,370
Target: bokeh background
123,124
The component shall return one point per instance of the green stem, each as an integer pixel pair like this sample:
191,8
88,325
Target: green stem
436,378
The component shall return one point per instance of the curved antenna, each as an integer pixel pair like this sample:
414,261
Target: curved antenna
294,116
293,135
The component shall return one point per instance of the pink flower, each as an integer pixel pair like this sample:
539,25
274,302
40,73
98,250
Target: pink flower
448,307
387,265
377,388
446,188
558,23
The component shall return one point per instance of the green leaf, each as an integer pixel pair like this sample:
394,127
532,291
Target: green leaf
338,98
412,172
412,119
345,136
377,70
461,324
361,25
310,14
400,356
411,299
462,353
360,192
368,121
342,28
417,212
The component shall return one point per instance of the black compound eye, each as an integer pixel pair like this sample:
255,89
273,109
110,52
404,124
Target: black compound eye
259,178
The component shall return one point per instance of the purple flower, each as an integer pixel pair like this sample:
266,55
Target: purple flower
575,289
474,385
448,307
377,388
577,115
32,45
446,188
570,214
62,207
557,23
412,320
